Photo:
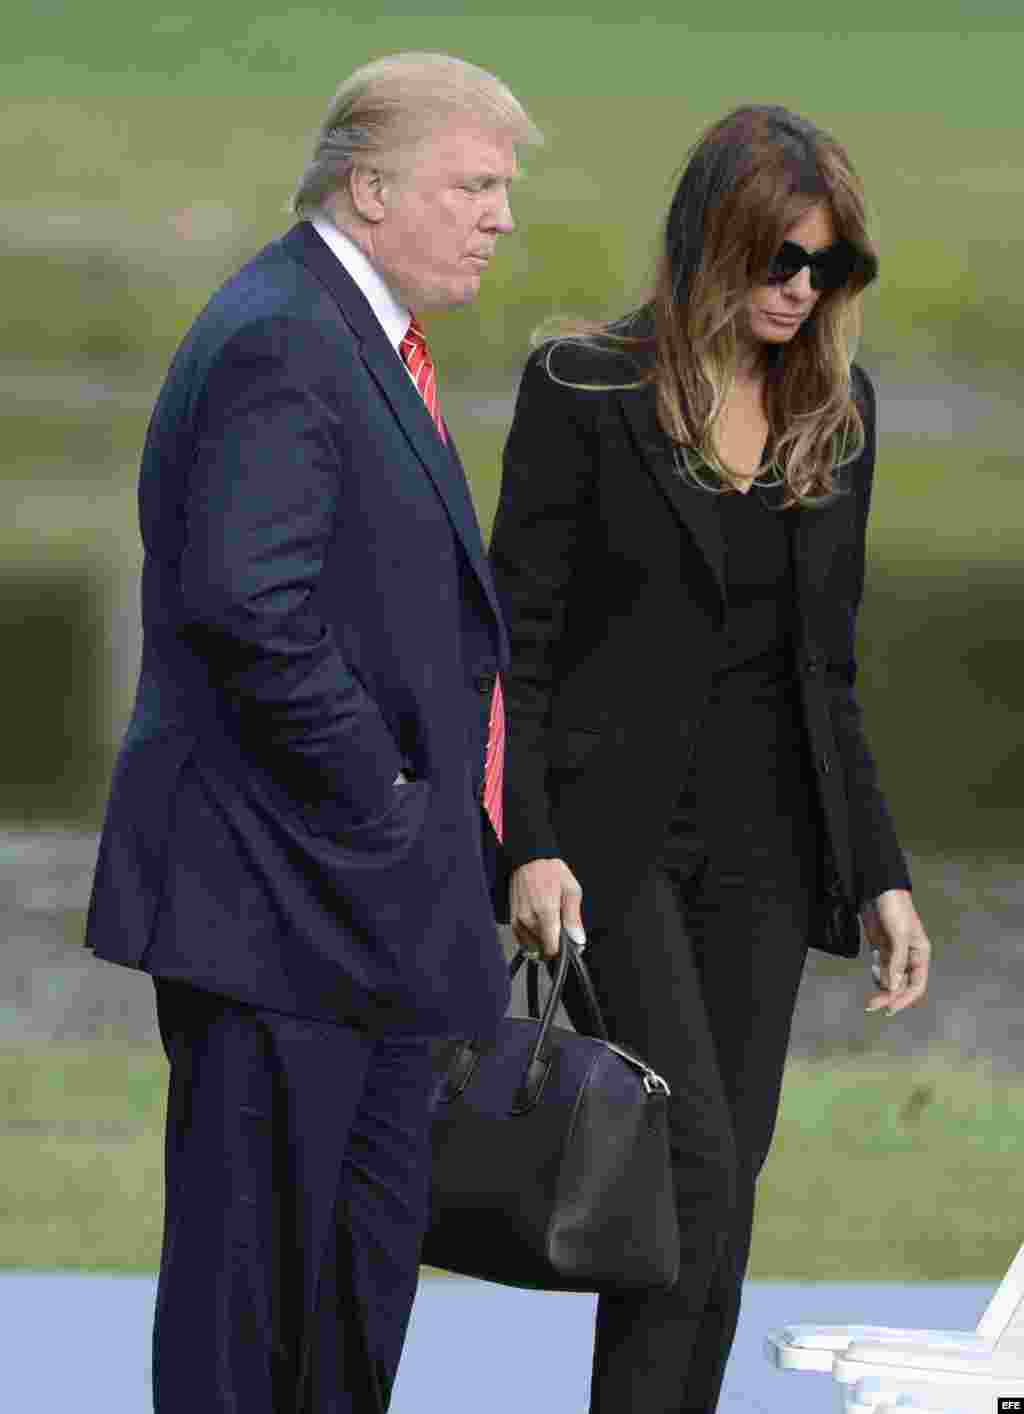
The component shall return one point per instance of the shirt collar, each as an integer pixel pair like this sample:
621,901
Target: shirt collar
392,316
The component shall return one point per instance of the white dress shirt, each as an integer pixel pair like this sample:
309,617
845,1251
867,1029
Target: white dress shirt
392,316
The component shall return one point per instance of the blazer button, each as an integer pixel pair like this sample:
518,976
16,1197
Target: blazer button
484,683
813,664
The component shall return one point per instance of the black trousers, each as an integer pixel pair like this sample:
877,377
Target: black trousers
297,1188
700,977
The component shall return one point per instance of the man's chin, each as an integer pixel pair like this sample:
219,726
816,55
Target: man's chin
454,297
468,292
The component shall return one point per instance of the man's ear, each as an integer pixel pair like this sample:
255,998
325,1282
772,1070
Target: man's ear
367,189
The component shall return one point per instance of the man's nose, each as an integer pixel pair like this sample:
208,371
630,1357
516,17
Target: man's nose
499,216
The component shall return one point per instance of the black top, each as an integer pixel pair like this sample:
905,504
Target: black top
750,760
759,582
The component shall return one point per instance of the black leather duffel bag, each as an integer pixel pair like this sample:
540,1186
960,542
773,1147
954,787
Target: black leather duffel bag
550,1156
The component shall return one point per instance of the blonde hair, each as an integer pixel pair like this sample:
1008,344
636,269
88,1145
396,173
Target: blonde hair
748,179
390,105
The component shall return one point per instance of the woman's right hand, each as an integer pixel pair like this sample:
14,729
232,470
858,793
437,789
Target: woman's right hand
545,897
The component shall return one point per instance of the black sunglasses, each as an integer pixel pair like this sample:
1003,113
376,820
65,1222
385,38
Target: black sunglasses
830,268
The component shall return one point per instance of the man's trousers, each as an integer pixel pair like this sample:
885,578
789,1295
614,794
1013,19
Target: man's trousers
297,1190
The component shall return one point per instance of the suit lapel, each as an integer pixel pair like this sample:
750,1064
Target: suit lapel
483,569
440,463
696,509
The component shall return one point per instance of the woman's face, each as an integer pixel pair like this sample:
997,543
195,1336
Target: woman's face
774,313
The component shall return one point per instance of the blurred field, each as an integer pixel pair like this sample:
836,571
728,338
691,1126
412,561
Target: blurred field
145,152
878,1171
123,265
909,1174
939,628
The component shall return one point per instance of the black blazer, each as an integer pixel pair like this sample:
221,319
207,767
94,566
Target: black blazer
318,614
610,571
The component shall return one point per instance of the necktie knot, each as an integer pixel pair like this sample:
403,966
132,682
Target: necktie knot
414,339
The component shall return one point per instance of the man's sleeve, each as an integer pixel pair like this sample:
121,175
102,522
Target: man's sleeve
266,488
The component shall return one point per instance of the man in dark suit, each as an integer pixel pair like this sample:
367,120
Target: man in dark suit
295,846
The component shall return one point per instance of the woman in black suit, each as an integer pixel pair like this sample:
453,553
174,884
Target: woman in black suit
679,551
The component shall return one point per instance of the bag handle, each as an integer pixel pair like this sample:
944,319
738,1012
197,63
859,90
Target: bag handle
462,1062
595,1019
539,1063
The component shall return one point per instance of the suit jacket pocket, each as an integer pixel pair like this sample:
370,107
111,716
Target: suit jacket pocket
385,837
375,843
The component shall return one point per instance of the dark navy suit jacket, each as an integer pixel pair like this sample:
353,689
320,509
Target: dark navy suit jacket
318,614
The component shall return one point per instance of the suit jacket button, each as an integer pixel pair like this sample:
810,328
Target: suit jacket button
813,664
484,683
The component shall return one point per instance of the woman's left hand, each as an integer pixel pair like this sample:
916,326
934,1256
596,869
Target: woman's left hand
894,930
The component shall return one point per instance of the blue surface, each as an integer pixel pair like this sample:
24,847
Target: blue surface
80,1344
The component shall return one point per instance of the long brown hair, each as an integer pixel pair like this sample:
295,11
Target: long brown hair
748,179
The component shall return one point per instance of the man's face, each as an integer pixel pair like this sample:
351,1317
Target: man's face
440,214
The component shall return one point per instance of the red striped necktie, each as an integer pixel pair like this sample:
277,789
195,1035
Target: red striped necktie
416,357
494,762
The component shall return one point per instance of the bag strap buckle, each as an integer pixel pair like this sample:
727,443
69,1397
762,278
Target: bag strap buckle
654,1085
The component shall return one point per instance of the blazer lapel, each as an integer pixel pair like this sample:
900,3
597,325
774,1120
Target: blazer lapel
812,545
695,508
816,532
385,366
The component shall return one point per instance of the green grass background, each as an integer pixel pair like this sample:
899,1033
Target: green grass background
878,1172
